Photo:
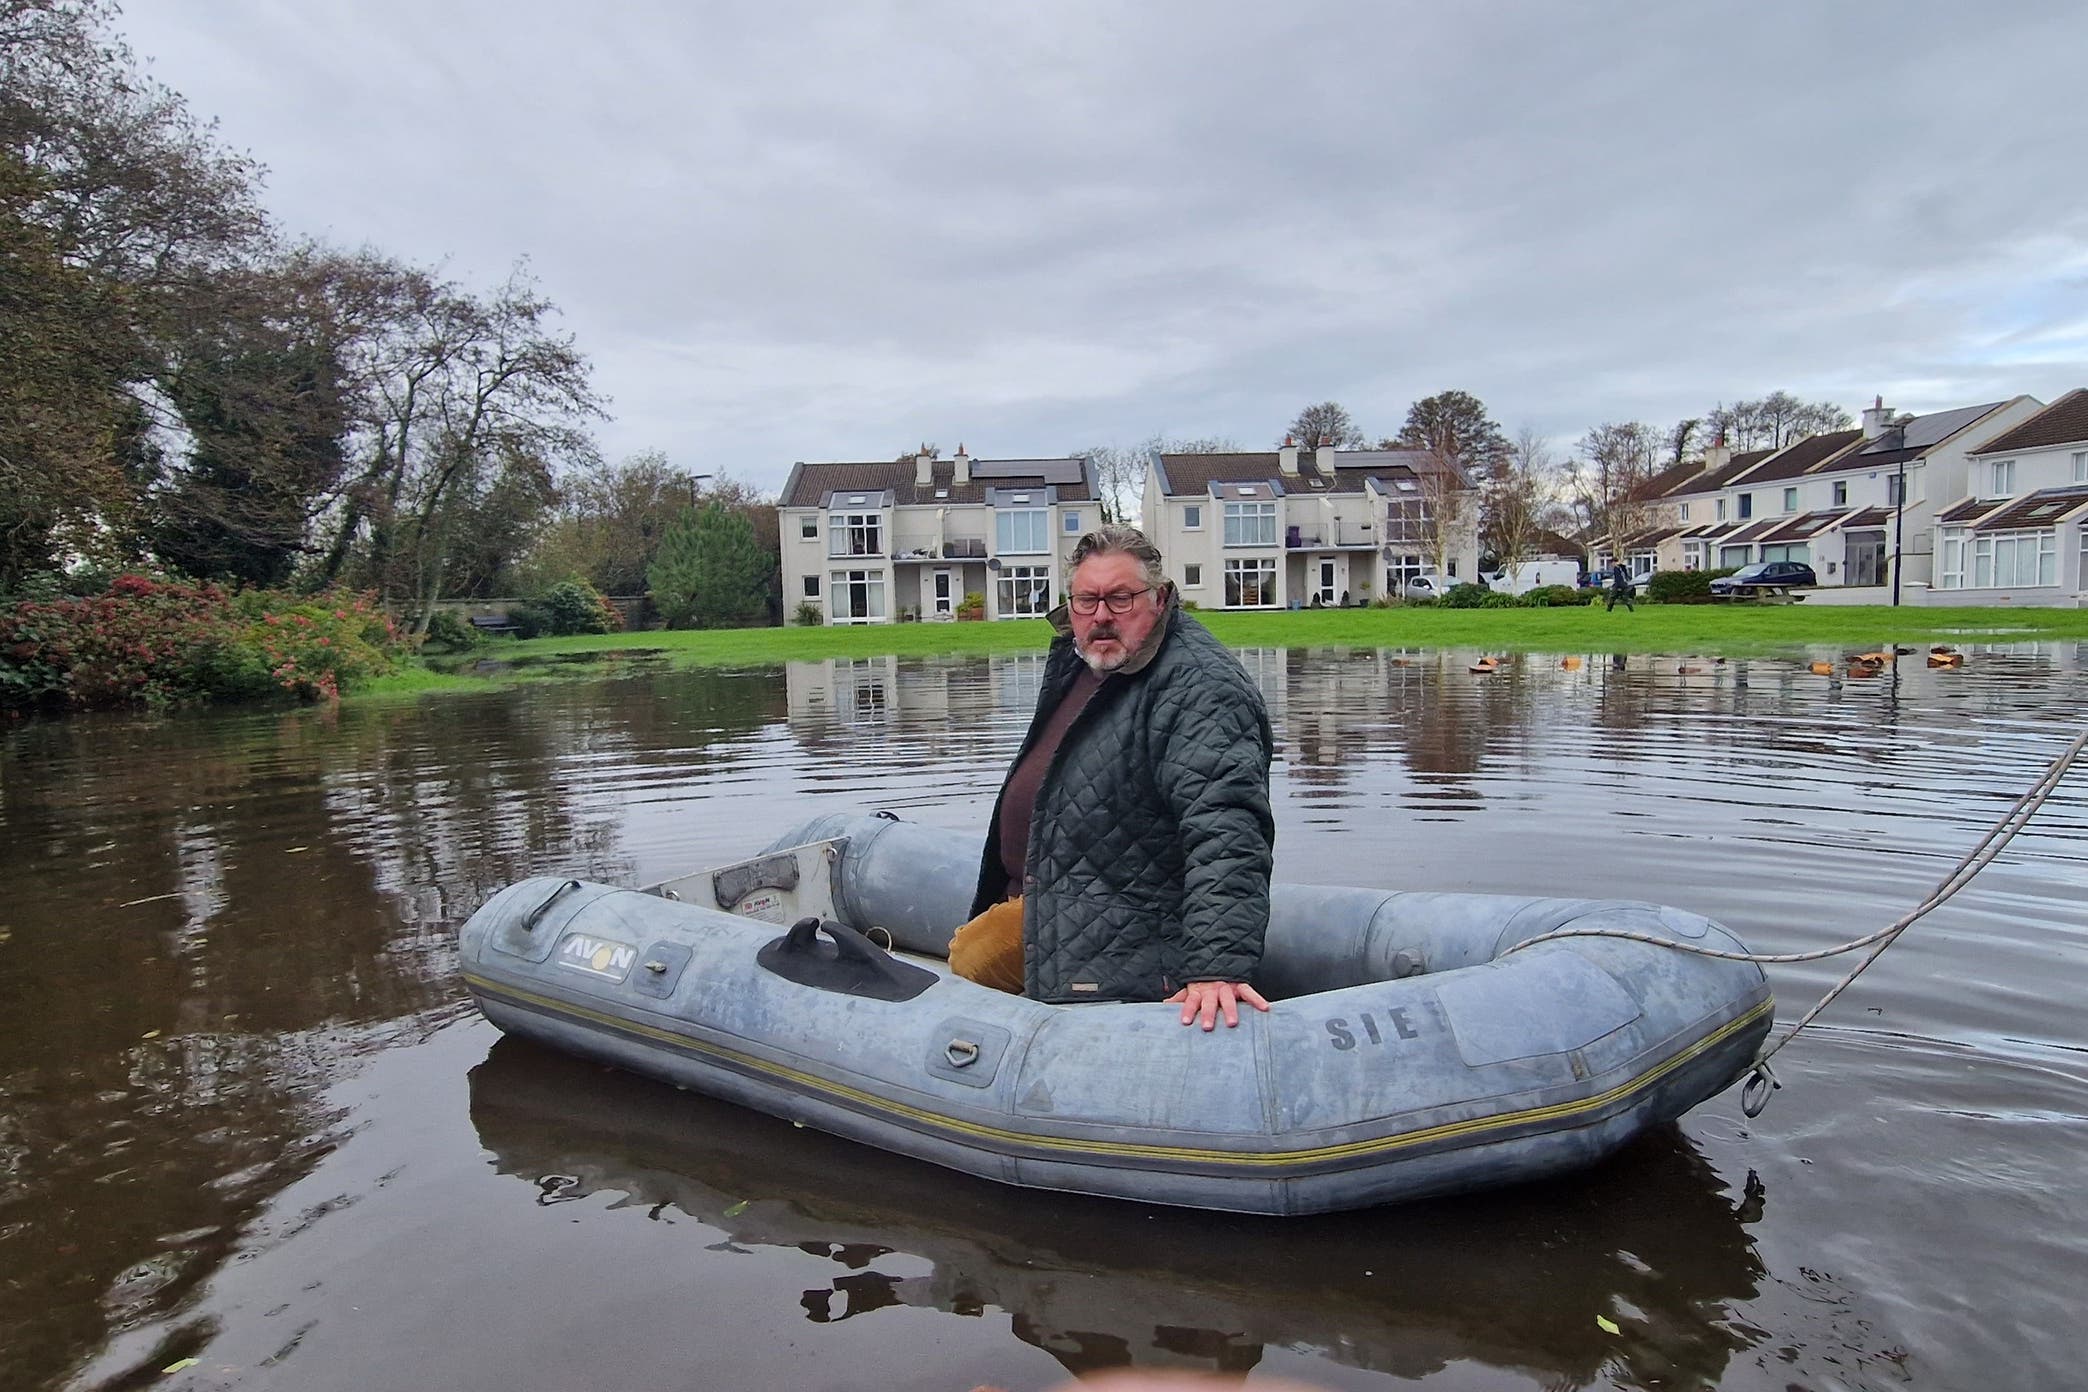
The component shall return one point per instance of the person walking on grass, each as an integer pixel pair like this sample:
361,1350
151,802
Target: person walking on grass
1620,588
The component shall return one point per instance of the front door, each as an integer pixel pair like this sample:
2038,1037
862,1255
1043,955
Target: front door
942,594
1326,581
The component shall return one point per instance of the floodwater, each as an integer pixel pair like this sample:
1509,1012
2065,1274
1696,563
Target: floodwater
246,1118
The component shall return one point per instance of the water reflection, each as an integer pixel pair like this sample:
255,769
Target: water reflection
214,916
1516,1280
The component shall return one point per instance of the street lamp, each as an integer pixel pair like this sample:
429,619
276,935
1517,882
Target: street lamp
1899,525
695,479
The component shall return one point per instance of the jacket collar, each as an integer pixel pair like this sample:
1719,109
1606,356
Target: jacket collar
1061,622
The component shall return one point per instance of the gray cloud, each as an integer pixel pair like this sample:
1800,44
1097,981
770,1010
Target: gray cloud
795,231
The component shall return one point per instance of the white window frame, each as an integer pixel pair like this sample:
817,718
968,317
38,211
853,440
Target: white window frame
1995,552
1744,506
2080,463
1023,592
1790,500
1685,513
1192,517
841,596
1192,576
1719,512
1022,532
2001,474
808,527
1841,493
1071,525
1950,559
1402,568
1250,524
812,585
855,534
1236,581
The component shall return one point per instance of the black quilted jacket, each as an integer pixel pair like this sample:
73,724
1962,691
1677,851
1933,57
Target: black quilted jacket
1150,843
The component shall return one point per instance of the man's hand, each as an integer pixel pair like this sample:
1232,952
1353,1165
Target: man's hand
1205,999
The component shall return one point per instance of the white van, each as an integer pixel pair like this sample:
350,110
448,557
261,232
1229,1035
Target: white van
1525,576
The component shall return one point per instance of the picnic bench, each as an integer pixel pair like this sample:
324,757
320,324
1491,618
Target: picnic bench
493,623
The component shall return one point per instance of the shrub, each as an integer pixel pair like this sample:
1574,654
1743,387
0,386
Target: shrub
529,619
972,607
1465,596
445,628
1555,597
309,646
155,643
1496,599
808,614
1682,586
574,606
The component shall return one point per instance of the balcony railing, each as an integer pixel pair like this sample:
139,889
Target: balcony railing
1305,538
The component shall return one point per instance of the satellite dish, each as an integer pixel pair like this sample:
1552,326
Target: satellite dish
993,563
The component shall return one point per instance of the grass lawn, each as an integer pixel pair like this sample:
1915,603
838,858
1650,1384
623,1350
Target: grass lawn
1729,630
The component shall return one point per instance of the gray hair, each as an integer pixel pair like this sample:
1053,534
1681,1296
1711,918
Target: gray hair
1116,537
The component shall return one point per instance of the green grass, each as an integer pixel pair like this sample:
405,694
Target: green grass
1728,630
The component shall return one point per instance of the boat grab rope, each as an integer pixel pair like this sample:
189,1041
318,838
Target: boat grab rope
1761,1081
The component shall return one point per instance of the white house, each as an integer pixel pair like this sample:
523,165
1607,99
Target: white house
1290,527
2016,535
909,539
1835,500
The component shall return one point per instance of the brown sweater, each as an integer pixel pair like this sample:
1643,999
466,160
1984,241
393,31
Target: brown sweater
1020,796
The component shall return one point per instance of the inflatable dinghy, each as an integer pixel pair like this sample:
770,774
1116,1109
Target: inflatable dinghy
1409,1050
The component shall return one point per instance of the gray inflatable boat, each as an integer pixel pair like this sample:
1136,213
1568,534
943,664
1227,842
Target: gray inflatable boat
1409,1051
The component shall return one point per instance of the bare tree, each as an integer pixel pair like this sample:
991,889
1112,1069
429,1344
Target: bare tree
468,399
1609,479
1120,470
1777,420
1516,498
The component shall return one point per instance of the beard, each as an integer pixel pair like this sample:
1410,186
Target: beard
1096,663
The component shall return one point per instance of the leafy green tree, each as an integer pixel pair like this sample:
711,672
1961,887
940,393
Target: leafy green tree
1328,421
710,572
1455,427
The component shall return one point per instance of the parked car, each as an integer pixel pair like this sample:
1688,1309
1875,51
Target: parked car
1430,586
1765,575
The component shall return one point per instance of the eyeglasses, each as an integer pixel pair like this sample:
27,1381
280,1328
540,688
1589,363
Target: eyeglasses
1119,601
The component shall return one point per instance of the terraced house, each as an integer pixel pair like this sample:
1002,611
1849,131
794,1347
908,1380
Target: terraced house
909,539
2017,535
1849,502
1291,528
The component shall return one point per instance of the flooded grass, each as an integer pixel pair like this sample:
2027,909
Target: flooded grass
1712,630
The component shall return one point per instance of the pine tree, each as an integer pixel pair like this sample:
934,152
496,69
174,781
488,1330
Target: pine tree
709,571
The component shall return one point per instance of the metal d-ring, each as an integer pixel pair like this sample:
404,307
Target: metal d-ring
961,1053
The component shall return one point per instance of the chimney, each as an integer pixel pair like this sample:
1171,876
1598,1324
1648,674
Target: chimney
1323,457
924,468
1287,457
1718,454
1877,419
962,464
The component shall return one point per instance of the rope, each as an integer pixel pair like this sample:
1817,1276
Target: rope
1761,1081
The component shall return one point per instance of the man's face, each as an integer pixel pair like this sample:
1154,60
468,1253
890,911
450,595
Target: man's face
1106,640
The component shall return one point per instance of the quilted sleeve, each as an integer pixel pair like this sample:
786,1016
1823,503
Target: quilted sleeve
1211,764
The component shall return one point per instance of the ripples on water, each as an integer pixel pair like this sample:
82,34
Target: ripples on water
244,1119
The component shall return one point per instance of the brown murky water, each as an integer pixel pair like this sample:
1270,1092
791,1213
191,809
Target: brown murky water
245,1120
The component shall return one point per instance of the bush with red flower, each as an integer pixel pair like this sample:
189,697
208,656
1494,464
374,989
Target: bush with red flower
154,642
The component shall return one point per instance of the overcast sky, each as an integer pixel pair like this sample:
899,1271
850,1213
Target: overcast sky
793,231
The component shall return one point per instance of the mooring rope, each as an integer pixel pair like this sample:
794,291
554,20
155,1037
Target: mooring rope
1754,1095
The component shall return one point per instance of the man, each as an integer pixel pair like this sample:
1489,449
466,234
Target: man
1620,587
1128,856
